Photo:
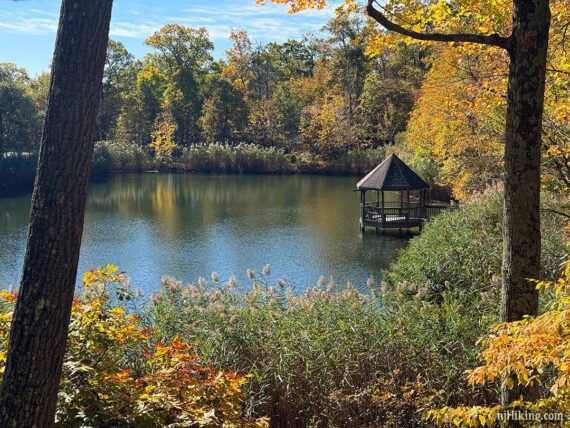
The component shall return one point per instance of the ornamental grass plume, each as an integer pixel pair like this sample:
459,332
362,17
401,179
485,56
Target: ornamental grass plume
328,356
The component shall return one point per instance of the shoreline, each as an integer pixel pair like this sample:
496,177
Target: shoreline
439,193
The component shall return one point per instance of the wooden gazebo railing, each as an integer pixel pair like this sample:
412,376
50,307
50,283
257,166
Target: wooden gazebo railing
400,215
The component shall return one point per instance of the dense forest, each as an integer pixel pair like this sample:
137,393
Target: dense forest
288,95
318,98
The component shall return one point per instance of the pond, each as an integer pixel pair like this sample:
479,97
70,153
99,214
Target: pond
186,226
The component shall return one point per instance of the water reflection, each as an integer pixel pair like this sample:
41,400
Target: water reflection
191,225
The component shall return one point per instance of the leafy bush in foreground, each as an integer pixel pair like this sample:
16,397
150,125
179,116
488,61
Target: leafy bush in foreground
533,351
117,374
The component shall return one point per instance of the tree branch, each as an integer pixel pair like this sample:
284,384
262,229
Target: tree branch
492,40
550,210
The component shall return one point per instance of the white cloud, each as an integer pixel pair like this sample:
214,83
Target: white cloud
270,22
133,30
28,28
29,25
266,23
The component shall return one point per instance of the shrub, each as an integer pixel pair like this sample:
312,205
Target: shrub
463,249
120,155
530,352
117,374
331,356
102,161
240,158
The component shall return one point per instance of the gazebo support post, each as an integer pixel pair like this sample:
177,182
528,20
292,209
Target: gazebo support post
408,210
362,205
383,217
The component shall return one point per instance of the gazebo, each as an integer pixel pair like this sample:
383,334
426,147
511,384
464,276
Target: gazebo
401,197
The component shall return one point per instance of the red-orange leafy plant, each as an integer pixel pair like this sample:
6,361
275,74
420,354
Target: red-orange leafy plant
116,374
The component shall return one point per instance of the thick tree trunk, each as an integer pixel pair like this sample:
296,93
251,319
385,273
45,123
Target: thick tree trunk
521,257
527,47
521,235
38,335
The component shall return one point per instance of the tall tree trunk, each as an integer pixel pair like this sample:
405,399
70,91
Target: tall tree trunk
527,47
38,335
525,105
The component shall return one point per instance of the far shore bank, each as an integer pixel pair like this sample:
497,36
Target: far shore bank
114,157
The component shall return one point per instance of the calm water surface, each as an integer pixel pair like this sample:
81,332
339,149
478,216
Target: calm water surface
191,225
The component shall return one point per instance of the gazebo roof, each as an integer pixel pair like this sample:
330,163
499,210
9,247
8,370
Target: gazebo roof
392,175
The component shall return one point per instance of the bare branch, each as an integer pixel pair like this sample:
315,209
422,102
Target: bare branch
560,213
555,70
492,40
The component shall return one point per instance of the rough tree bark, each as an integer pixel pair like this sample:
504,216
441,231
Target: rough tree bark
527,47
525,105
38,335
521,226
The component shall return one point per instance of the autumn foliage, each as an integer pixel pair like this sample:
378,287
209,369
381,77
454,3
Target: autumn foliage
116,373
534,351
458,120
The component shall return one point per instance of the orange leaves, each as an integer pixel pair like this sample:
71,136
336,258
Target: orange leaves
299,5
520,352
457,122
8,296
556,151
179,385
115,374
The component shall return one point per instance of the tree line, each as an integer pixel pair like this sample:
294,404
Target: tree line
318,95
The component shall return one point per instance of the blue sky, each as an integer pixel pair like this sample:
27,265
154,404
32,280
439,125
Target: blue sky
27,28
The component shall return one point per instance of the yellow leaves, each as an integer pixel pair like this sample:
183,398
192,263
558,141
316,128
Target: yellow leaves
325,122
8,296
486,17
468,145
518,352
149,76
299,5
113,372
476,416
556,151
162,135
457,119
104,275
